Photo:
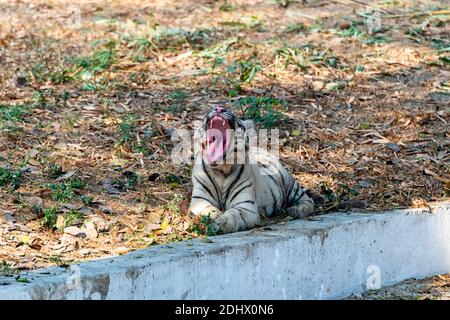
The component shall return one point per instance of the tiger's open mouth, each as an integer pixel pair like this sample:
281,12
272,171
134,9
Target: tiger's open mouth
218,137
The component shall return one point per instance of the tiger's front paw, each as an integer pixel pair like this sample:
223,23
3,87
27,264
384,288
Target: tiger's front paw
210,211
303,210
228,222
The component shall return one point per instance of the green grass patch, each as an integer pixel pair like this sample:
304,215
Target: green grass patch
71,217
87,199
62,75
363,32
10,178
11,116
64,191
172,39
6,269
176,101
54,170
262,109
441,45
126,127
49,218
219,50
204,226
227,7
246,22
235,74
174,204
100,60
86,67
129,182
342,193
295,28
306,55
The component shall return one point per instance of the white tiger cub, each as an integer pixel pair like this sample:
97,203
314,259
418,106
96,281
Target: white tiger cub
234,193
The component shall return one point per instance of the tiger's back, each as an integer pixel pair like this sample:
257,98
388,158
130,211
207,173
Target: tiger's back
275,188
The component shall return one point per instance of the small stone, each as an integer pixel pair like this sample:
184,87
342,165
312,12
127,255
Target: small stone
33,153
119,109
86,211
100,224
364,184
393,147
66,175
61,146
333,86
151,227
60,222
9,216
74,231
84,252
35,202
109,187
34,163
169,132
154,217
120,250
69,207
89,230
21,81
153,176
106,210
318,85
90,107
435,292
66,239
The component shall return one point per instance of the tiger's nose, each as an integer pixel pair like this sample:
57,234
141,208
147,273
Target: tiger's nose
219,110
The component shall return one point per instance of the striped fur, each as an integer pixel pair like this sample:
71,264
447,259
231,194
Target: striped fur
234,195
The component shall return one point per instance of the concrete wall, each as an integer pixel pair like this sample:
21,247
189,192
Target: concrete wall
331,256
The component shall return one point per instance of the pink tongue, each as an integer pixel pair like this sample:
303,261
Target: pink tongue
214,150
215,136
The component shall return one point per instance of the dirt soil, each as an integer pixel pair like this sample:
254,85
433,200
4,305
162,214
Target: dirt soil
432,288
91,92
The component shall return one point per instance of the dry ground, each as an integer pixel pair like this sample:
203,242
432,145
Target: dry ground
90,92
432,288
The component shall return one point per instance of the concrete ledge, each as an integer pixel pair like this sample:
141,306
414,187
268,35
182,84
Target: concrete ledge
331,256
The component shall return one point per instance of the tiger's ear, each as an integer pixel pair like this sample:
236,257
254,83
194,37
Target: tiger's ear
248,124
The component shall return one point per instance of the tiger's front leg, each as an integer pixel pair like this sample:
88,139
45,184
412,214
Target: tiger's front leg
241,214
203,207
203,201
